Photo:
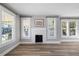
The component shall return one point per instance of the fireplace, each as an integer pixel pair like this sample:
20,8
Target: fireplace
38,38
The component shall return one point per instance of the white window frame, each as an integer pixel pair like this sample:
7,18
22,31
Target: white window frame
69,20
3,9
52,37
3,13
22,29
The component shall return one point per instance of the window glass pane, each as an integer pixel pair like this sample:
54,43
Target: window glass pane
72,32
51,23
64,28
6,28
72,28
64,24
72,24
64,32
26,27
51,26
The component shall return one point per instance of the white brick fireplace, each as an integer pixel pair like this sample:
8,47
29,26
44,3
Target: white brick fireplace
38,31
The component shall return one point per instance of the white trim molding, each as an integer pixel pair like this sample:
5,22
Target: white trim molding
54,42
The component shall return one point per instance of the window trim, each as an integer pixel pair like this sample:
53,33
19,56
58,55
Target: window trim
29,36
69,20
55,28
3,9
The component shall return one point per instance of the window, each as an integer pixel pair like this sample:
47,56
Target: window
6,26
69,27
51,28
26,28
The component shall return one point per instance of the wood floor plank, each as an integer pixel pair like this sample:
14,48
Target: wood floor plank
63,49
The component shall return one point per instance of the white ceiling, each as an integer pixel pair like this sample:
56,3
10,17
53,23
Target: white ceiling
31,9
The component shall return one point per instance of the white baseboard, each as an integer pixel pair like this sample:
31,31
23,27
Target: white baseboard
8,50
27,43
69,40
55,42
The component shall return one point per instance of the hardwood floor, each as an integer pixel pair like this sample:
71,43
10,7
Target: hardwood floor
63,49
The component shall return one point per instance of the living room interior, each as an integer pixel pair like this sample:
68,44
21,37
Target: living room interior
39,29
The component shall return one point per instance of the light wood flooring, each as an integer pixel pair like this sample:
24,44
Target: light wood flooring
63,49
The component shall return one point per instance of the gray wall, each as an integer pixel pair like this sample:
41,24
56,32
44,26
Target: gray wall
58,29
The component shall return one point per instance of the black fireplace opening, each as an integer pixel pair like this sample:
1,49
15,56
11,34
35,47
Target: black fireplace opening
38,38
